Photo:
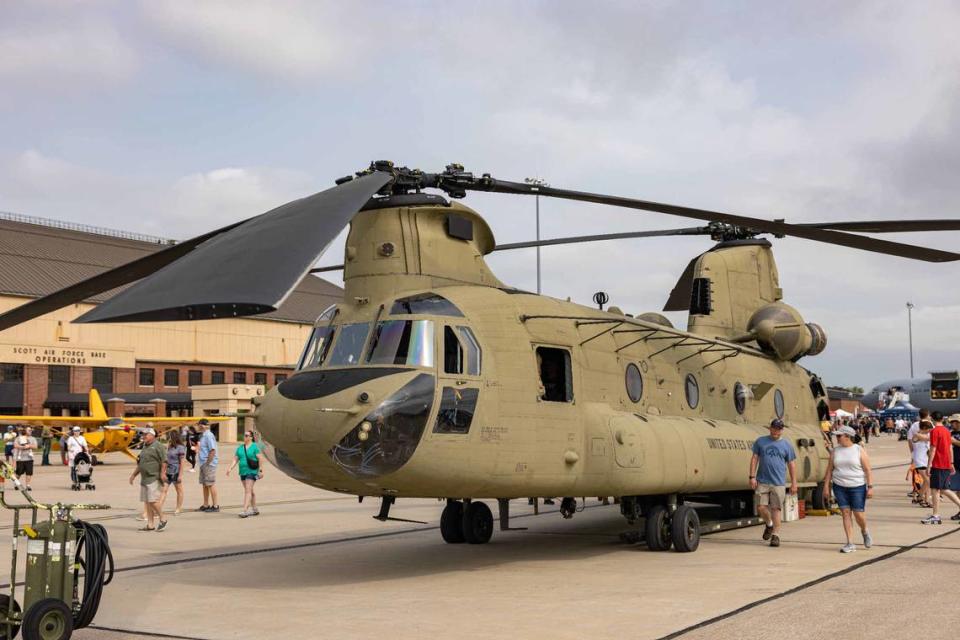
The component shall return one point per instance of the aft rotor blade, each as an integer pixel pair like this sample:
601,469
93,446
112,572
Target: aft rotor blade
688,231
247,270
116,277
756,224
887,226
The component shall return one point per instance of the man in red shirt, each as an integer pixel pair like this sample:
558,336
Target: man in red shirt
941,468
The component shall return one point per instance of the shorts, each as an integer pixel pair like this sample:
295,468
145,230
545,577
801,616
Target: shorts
853,498
940,478
150,492
771,495
208,474
8,449
174,478
24,468
250,476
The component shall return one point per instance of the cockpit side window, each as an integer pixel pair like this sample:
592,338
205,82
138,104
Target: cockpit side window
349,344
406,342
473,350
318,345
452,351
425,304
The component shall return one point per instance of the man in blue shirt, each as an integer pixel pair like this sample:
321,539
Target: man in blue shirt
207,462
772,456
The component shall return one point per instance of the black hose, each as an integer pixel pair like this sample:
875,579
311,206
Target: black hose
97,564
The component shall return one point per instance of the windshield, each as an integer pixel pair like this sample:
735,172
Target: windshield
317,347
408,342
349,344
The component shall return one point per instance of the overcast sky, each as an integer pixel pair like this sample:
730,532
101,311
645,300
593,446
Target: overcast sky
172,118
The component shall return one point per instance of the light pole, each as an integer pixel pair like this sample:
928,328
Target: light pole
910,333
537,182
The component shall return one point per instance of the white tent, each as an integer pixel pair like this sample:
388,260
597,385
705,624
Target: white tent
840,413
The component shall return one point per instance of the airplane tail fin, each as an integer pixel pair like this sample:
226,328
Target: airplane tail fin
97,409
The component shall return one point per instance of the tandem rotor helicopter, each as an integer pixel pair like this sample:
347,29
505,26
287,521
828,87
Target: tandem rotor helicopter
432,378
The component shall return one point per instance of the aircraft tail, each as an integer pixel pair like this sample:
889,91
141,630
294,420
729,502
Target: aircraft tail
97,409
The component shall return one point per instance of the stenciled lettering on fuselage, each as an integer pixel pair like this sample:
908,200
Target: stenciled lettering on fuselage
730,444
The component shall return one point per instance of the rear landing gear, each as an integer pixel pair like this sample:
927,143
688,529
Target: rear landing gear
657,528
471,523
679,529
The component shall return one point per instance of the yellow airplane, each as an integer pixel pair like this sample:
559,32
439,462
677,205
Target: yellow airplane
104,433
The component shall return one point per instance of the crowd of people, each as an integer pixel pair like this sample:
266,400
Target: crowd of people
160,465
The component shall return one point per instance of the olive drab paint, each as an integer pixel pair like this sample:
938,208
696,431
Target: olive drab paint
685,434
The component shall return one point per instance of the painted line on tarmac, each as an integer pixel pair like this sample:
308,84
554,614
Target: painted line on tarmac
143,634
804,586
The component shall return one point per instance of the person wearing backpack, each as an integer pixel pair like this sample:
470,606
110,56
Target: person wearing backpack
249,456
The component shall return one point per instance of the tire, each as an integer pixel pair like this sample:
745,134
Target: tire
451,523
48,619
685,529
657,528
477,523
15,628
818,499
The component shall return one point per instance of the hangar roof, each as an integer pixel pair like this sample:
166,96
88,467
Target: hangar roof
38,257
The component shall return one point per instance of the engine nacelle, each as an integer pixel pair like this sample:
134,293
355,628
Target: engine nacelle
780,330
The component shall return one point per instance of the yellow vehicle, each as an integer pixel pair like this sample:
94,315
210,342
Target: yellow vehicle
432,378
103,433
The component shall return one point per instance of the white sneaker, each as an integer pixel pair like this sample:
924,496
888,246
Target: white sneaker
848,548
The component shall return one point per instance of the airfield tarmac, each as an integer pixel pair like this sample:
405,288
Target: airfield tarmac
315,564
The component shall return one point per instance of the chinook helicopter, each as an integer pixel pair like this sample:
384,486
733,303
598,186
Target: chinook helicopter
432,378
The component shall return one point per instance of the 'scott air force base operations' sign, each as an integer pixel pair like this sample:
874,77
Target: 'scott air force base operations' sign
66,355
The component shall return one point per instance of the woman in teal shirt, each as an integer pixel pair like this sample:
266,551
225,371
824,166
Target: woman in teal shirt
249,456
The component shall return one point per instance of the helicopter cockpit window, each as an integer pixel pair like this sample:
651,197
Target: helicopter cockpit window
473,350
318,346
556,376
407,342
452,351
349,344
456,410
424,304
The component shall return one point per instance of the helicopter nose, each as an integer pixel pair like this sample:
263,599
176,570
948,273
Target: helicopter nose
364,422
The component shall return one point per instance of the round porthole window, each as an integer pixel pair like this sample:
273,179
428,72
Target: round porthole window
693,391
778,403
740,397
634,383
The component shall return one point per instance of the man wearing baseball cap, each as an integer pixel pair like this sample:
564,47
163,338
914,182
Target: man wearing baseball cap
152,469
772,456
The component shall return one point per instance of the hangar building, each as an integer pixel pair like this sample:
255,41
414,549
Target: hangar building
48,365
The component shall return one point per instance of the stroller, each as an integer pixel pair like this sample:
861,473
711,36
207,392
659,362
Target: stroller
82,472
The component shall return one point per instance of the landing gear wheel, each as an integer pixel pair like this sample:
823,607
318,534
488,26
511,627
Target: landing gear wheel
48,619
658,528
818,499
477,523
8,632
685,529
451,522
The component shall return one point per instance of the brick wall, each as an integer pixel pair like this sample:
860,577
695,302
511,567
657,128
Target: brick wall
81,379
34,388
124,380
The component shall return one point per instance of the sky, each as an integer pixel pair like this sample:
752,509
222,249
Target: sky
172,118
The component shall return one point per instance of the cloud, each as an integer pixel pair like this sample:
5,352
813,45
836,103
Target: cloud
57,54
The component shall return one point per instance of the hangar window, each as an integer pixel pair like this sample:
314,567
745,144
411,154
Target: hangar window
146,377
103,379
424,304
194,377
556,376
457,407
634,383
349,344
740,397
171,377
692,391
58,378
260,378
217,377
279,377
778,405
239,377
408,342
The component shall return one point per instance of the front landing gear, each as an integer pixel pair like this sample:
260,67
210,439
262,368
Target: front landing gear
470,522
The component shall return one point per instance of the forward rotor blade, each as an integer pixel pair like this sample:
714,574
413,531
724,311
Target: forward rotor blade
887,226
756,224
116,277
247,270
